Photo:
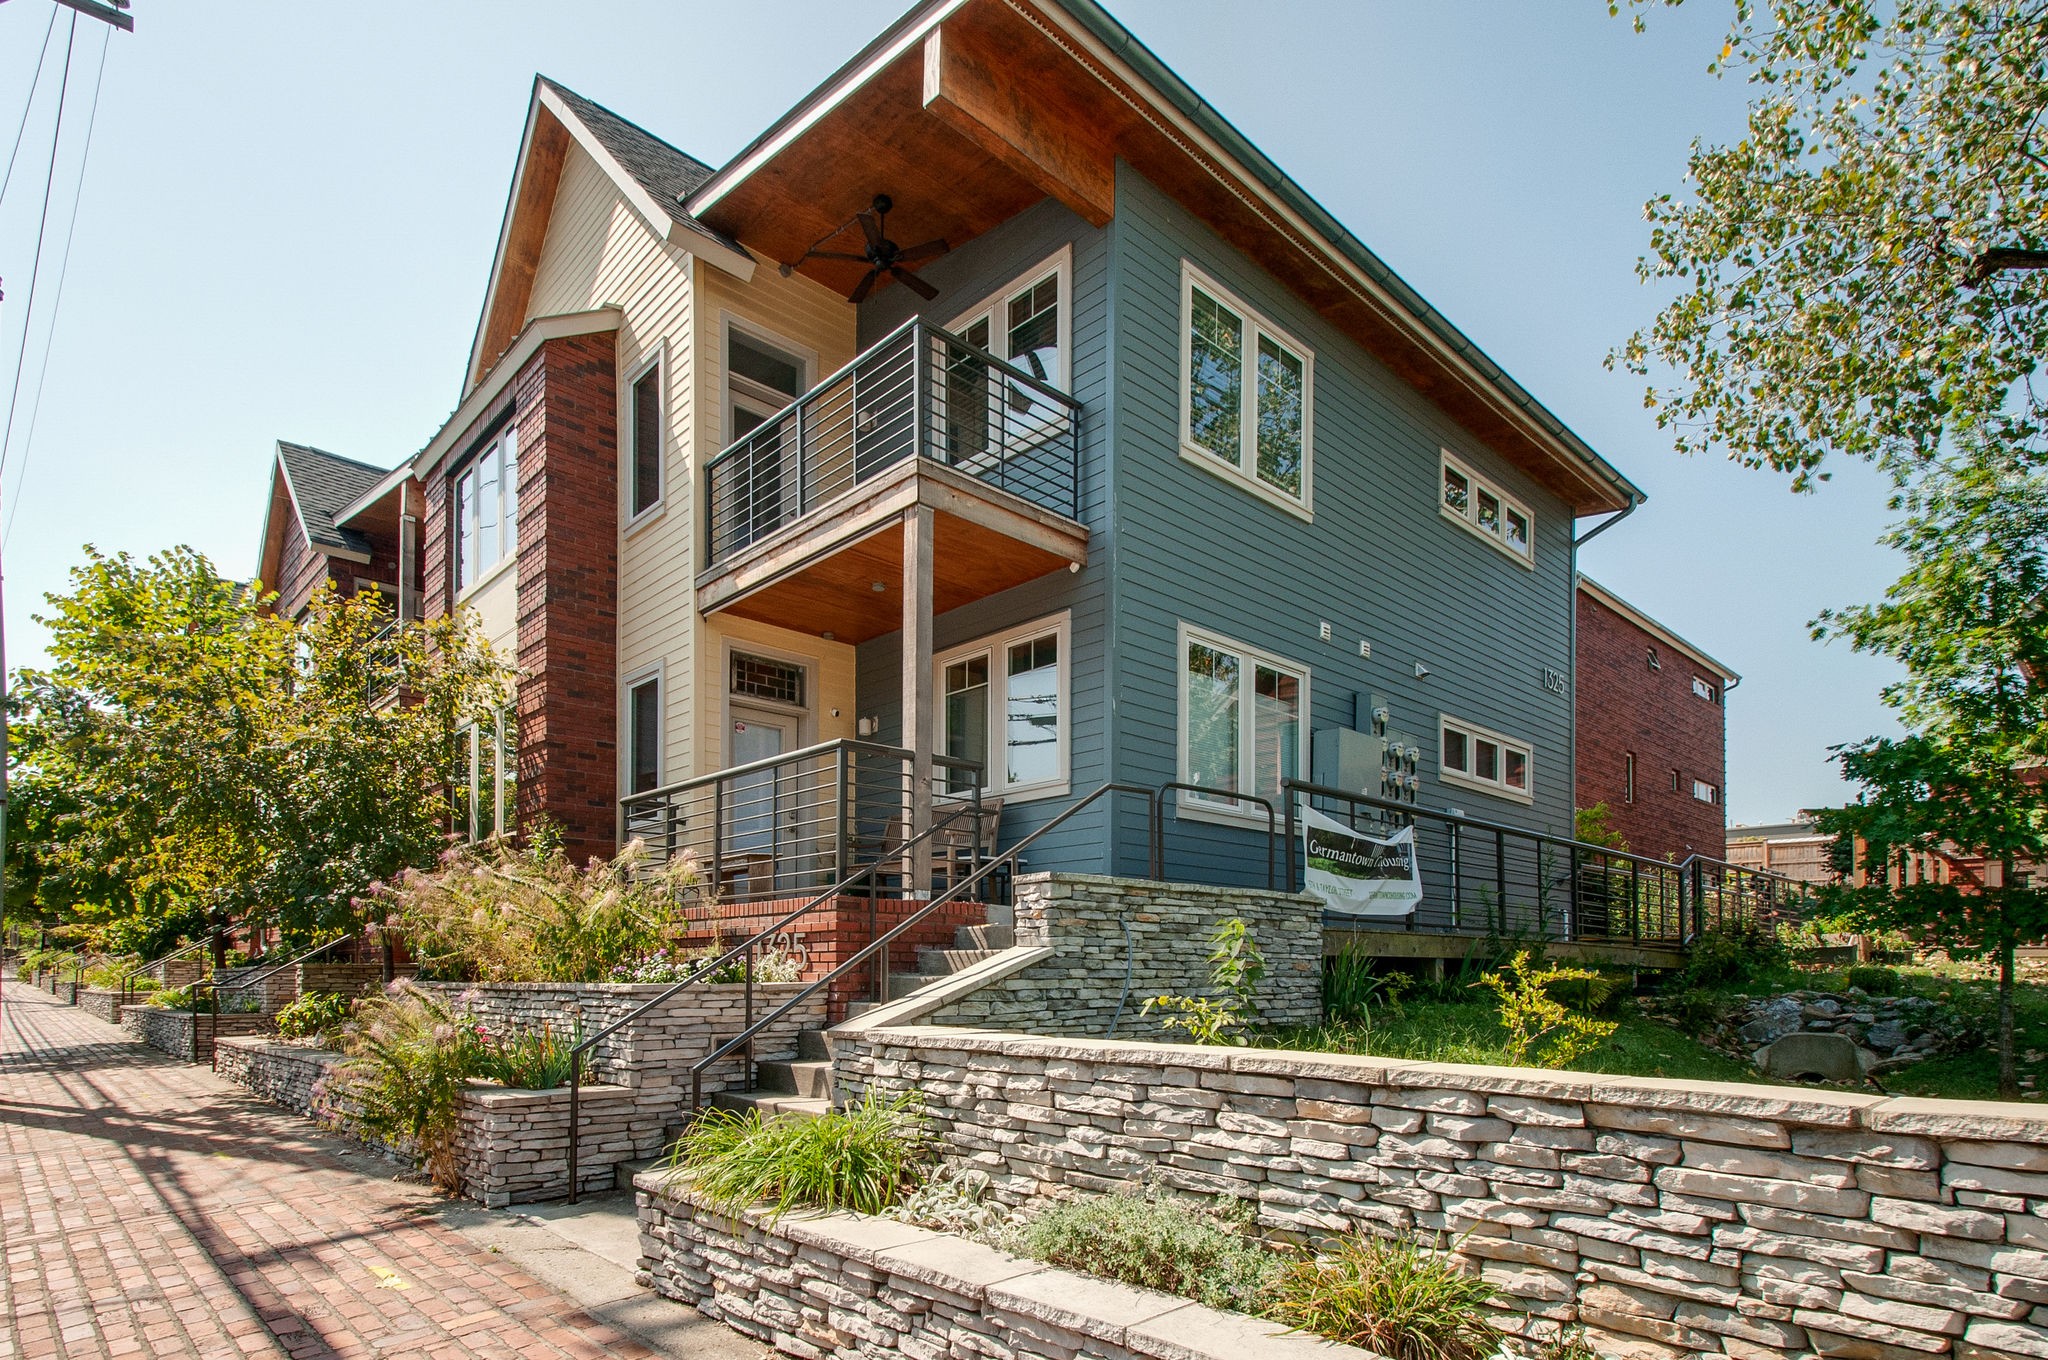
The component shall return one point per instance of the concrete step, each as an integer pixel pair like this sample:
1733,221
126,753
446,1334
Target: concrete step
985,937
810,1046
809,1079
623,1174
903,984
801,1107
942,962
858,1008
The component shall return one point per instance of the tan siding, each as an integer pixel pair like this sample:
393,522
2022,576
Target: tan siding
495,602
820,323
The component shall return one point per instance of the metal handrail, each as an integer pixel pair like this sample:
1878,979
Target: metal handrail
214,989
1157,867
952,894
746,949
811,752
126,981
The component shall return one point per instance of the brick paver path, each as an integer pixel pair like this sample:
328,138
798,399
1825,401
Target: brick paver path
149,1208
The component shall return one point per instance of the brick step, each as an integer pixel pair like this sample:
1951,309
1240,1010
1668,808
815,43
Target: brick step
941,962
812,1080
801,1107
989,937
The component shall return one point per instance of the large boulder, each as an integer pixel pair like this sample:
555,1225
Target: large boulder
1808,1056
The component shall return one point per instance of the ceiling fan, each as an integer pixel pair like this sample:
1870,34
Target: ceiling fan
882,255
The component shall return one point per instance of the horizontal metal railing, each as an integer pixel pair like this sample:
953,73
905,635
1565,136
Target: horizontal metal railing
1487,878
919,392
790,824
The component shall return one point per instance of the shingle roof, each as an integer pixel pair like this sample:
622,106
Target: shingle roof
667,174
322,485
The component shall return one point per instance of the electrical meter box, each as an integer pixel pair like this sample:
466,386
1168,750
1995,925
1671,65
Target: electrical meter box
1340,758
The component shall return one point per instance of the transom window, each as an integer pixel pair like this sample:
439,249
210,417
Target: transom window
487,759
1486,510
487,510
1242,722
1230,353
1487,761
1003,705
764,677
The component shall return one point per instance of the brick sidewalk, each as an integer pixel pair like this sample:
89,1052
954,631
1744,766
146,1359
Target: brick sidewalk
149,1208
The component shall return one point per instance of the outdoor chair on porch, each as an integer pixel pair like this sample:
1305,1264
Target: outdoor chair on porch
953,847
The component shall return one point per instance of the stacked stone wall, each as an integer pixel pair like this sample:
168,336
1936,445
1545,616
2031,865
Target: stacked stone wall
343,979
1118,941
1670,1218
273,989
828,1285
100,1002
170,1032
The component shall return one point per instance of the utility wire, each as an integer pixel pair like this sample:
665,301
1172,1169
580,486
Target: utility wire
29,104
35,272
28,444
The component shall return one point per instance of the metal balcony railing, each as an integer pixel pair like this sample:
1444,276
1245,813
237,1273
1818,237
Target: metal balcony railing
920,392
793,824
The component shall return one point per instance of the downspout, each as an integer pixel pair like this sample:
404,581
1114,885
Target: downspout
1572,723
1602,527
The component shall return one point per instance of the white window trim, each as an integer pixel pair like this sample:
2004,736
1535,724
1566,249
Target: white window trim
510,558
1059,263
1469,520
1492,788
1245,474
629,519
1060,625
1193,806
1713,798
803,354
806,716
500,753
627,684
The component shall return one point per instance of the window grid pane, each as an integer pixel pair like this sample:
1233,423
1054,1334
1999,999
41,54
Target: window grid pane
966,701
1456,757
1213,697
508,494
1031,718
644,719
1276,731
1216,378
760,677
1282,405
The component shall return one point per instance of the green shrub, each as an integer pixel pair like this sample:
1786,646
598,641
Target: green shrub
108,972
1875,980
1588,992
1540,1029
1396,1298
1236,967
532,1060
862,1158
1353,990
954,1200
1734,953
410,1053
316,1013
1158,1242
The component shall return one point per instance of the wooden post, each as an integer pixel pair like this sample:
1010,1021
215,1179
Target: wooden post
919,728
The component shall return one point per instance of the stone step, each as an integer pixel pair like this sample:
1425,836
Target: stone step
985,937
769,1104
859,1008
623,1174
903,984
809,1079
942,962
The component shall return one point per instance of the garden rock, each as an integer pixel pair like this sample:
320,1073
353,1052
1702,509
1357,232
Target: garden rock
1895,1031
1886,1036
1813,1057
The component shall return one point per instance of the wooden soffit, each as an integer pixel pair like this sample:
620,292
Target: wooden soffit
993,105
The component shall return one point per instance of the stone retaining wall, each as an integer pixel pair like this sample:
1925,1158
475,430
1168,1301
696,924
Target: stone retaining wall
819,1285
101,1002
1080,988
343,979
274,992
1671,1218
512,1146
169,1031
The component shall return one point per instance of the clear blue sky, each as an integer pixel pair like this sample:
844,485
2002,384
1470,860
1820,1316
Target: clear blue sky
290,212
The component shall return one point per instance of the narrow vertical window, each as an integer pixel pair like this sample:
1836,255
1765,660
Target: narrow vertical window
465,530
1031,711
643,724
1282,408
1628,777
966,718
1212,689
508,494
1215,377
646,441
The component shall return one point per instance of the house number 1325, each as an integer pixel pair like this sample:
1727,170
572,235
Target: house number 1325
1553,681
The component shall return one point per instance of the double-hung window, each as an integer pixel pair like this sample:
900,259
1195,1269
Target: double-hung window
1246,394
1003,704
1243,723
487,510
487,756
644,421
1483,508
1474,758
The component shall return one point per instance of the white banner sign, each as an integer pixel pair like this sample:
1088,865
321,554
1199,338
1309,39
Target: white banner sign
1357,874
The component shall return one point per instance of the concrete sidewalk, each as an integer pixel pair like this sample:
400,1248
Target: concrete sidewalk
148,1207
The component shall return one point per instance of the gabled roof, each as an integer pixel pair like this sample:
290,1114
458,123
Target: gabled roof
322,485
1589,586
651,175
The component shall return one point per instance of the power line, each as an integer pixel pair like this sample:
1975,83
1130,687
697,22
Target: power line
35,271
35,410
28,105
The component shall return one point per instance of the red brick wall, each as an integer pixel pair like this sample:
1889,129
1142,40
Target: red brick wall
568,590
1623,707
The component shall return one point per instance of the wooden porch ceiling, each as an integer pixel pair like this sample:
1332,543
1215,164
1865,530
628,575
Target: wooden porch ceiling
1000,105
819,576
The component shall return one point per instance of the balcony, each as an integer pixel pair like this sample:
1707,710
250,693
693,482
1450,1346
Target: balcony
806,513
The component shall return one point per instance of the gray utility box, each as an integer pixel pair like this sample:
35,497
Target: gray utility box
1341,758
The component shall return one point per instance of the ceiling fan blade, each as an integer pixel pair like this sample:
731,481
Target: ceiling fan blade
929,250
870,227
865,286
914,283
834,255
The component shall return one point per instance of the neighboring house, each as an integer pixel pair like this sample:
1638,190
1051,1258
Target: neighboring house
335,521
1150,472
1794,849
1652,729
